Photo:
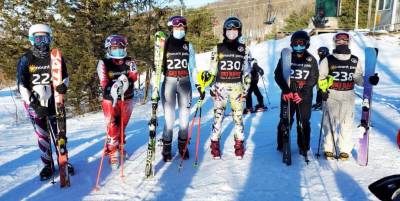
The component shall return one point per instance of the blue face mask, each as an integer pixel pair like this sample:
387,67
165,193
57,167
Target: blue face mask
117,53
299,48
178,34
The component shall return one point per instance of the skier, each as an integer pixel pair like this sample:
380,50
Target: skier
322,53
256,71
230,65
178,64
303,77
34,84
117,74
345,70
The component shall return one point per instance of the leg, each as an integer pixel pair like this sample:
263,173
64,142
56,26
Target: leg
330,123
237,107
303,136
184,103
113,124
283,123
260,98
220,100
345,143
168,97
249,99
126,113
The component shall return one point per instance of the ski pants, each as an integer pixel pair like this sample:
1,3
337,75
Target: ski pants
114,115
319,96
176,89
339,114
249,100
225,92
303,112
42,131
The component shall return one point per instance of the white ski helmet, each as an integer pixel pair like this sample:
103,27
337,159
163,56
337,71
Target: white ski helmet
36,28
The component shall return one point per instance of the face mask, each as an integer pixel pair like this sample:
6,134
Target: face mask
342,49
178,34
299,48
232,34
118,53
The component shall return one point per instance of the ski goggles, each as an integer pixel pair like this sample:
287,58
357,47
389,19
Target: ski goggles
41,39
118,41
299,42
233,24
342,36
177,22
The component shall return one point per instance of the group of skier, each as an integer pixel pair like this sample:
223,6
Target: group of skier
232,76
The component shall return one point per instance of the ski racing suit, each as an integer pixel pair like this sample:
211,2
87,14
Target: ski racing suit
178,64
35,71
303,77
346,71
230,63
109,70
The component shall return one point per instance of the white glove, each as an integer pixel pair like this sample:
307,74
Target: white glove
125,84
116,91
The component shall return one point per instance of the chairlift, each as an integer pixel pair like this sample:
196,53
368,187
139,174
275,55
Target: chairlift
271,14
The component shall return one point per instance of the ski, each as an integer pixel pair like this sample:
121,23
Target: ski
151,146
371,55
56,74
286,56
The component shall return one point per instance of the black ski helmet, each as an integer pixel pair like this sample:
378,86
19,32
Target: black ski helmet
300,35
232,22
323,51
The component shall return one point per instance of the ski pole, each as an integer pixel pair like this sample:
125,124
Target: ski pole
320,130
197,141
187,140
332,131
51,132
265,90
96,188
122,140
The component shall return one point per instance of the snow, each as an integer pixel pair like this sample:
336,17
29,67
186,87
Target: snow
261,175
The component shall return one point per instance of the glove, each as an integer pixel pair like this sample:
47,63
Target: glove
296,98
155,96
287,96
201,91
204,78
324,95
374,79
62,88
325,83
40,111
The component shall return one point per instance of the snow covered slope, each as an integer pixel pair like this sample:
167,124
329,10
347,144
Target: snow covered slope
259,176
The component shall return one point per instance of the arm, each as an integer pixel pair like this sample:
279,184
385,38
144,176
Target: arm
323,69
247,67
358,75
102,73
311,80
23,77
213,67
279,78
192,63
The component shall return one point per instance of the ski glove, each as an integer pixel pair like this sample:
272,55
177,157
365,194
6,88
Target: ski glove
374,79
324,95
287,96
296,98
62,88
325,83
40,111
201,91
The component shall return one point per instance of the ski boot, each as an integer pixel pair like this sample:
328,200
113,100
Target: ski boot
46,173
260,108
248,111
71,169
239,148
344,156
329,155
215,152
317,106
166,151
181,148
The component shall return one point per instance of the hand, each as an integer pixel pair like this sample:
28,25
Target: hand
296,98
40,111
62,88
201,91
212,92
374,79
287,96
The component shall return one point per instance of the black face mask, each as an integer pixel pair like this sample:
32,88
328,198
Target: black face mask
342,49
41,51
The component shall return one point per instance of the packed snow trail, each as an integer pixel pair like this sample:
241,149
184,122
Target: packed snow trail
261,175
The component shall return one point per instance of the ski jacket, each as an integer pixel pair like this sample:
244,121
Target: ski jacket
108,72
256,71
178,61
231,63
32,70
304,73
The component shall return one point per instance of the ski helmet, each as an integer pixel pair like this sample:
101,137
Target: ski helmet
176,21
323,51
232,22
300,36
39,28
119,41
